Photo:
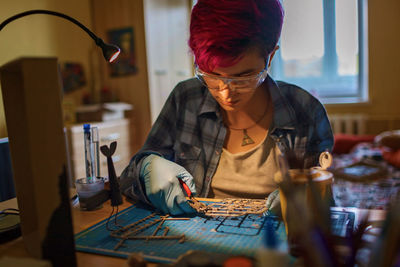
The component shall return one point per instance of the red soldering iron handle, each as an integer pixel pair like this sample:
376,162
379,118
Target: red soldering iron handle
185,188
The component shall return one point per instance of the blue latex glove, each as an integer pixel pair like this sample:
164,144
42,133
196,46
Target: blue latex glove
160,177
273,203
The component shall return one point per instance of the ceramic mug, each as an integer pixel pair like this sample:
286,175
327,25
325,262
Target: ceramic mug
322,180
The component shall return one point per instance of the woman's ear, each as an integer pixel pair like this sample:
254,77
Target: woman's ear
272,54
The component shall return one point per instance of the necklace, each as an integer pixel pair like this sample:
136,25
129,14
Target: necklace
246,138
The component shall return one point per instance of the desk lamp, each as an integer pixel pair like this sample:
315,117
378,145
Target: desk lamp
31,91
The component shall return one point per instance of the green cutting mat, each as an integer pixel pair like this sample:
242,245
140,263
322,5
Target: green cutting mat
226,235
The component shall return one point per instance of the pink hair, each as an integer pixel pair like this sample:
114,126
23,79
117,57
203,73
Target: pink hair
222,30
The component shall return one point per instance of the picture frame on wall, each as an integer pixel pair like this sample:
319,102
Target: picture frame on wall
126,63
73,76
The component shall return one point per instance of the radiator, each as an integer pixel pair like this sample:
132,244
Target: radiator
348,123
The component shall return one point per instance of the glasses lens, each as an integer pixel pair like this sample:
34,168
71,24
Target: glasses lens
240,84
212,83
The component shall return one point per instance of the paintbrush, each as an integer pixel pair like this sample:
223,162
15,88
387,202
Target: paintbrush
311,238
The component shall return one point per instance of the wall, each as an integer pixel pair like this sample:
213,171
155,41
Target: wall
133,88
44,35
41,35
383,108
384,63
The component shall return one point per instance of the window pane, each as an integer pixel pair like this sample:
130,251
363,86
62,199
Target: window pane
302,41
347,37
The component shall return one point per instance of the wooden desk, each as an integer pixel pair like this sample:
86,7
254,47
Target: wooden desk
85,219
81,221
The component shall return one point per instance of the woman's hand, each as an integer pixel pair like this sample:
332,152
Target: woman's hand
160,177
274,203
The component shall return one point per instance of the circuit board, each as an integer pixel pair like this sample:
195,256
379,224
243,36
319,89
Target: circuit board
226,235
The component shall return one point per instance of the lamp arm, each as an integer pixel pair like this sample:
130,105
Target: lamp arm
54,13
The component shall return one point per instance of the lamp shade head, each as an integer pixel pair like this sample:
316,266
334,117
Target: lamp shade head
110,52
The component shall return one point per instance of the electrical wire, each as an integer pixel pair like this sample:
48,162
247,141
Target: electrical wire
6,212
9,211
115,220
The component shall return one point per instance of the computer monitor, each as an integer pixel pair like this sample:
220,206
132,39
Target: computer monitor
7,189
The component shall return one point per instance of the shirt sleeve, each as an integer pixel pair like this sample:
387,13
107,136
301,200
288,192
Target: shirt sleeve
321,137
311,122
160,141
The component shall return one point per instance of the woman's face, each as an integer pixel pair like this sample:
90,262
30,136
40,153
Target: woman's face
251,64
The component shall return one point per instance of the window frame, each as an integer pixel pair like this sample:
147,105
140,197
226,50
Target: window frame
329,76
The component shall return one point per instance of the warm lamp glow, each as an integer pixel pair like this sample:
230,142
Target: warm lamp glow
110,52
116,54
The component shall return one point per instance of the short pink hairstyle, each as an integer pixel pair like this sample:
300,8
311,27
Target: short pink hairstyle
222,30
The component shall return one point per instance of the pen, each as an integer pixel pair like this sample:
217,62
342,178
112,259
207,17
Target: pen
96,155
88,153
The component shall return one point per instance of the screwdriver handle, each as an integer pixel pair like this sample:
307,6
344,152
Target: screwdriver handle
185,188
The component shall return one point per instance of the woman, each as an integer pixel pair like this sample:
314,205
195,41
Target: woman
220,132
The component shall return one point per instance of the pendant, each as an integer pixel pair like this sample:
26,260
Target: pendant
246,139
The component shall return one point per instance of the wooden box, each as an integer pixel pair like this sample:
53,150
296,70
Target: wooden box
32,101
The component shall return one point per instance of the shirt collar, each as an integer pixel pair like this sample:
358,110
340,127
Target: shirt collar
284,114
209,104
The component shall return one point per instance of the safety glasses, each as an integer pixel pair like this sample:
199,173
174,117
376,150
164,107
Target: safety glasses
239,84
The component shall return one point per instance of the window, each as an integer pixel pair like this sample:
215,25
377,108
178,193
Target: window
323,49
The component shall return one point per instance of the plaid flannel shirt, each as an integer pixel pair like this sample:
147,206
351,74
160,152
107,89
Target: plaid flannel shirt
189,131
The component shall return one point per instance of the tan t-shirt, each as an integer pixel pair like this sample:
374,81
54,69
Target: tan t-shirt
248,174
